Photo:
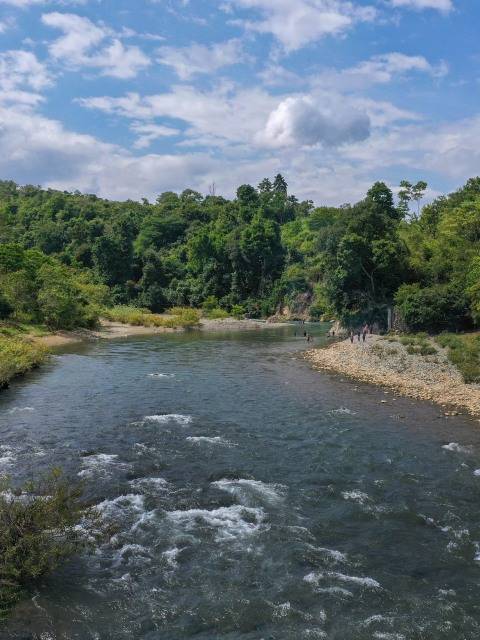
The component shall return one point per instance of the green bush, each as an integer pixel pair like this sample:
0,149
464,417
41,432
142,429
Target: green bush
432,308
464,352
210,303
217,314
38,531
238,311
18,356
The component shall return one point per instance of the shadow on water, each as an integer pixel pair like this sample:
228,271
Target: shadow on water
254,498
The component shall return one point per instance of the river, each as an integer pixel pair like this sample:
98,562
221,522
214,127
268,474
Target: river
254,497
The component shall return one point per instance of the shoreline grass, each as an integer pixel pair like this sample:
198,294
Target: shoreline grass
463,351
18,356
175,318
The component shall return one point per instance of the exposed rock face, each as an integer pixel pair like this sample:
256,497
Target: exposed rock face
387,363
298,309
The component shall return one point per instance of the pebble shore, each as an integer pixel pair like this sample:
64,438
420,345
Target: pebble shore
387,363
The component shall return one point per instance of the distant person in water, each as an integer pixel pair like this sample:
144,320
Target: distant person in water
358,335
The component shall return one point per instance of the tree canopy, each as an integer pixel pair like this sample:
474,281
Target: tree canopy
64,255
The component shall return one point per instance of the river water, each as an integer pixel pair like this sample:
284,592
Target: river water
253,497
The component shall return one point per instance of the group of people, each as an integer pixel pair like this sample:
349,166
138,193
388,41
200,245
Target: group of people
306,335
361,333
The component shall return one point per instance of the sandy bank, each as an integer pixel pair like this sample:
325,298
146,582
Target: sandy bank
388,364
112,330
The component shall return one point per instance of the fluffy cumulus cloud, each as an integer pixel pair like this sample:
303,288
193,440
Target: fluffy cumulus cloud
296,23
439,5
86,44
300,121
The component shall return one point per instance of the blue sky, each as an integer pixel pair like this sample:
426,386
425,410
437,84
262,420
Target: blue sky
129,98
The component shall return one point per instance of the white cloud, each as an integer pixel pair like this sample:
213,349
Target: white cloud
199,58
85,44
296,23
22,77
380,69
440,5
23,4
300,121
224,115
36,150
149,132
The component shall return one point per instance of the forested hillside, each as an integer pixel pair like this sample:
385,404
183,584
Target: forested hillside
65,256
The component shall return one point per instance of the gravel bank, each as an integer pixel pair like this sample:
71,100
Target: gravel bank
388,364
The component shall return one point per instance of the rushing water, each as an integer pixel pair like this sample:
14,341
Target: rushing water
254,498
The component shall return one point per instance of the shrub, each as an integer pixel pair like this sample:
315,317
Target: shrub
432,308
18,356
210,303
464,352
126,315
238,311
217,314
38,531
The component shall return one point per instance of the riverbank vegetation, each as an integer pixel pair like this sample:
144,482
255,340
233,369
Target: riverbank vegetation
17,356
464,352
175,318
39,530
65,257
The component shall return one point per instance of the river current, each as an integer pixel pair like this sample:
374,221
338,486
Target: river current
253,497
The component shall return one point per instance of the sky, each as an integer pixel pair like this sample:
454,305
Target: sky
130,98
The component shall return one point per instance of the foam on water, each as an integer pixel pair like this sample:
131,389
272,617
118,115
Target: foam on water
380,635
377,618
130,552
149,484
356,496
335,591
171,556
161,375
7,456
343,411
314,633
21,410
207,440
457,448
476,472
316,577
247,489
333,554
230,523
166,418
102,464
130,502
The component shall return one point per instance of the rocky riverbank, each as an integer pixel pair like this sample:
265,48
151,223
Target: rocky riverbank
388,363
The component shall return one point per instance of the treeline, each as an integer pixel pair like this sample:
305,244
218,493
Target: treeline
64,256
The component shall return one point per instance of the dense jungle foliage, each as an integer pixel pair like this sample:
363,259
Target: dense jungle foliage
66,256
